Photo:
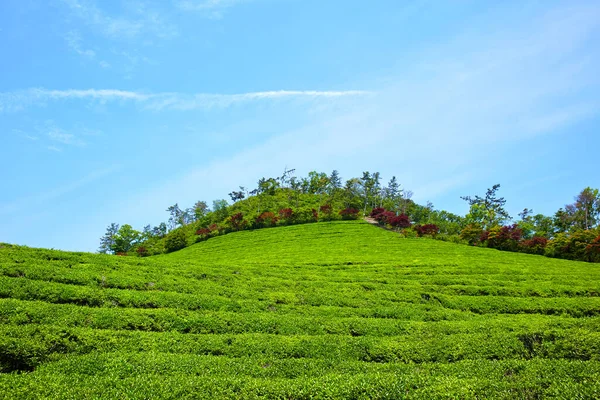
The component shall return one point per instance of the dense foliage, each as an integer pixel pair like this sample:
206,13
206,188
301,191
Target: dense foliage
324,310
288,200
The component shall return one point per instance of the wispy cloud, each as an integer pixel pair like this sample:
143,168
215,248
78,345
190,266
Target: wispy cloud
24,135
211,8
15,101
74,42
140,20
43,198
58,137
206,101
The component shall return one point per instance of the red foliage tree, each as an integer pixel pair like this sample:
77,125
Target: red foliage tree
505,238
142,251
592,250
427,229
384,217
203,232
535,245
267,218
315,215
400,221
326,209
376,211
237,221
286,214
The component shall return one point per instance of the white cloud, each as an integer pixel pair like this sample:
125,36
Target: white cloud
60,136
210,8
207,101
74,42
16,101
143,21
39,200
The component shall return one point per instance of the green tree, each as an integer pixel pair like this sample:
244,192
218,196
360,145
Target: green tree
489,210
125,239
220,210
587,208
352,193
176,216
175,240
393,194
201,209
335,182
107,241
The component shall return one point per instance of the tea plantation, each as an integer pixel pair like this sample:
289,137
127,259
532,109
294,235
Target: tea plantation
325,310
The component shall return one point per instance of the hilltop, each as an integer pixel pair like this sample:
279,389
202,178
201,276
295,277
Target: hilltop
325,310
572,233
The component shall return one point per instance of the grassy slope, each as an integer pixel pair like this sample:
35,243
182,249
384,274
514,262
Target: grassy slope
324,310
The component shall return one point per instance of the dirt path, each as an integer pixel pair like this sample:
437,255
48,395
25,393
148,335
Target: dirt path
372,221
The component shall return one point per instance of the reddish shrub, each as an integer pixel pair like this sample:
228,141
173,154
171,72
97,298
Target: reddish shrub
238,222
142,251
326,209
399,221
315,215
535,245
385,217
286,214
203,232
213,227
121,253
267,218
592,250
376,212
349,213
427,229
504,238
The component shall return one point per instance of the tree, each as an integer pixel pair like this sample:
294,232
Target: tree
146,232
526,224
296,186
176,217
237,221
335,182
160,231
286,177
367,186
125,239
352,192
317,182
267,186
489,210
543,226
107,241
220,211
201,209
237,195
175,240
400,221
406,200
393,193
587,208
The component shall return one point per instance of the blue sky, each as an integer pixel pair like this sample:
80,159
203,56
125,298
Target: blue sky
110,111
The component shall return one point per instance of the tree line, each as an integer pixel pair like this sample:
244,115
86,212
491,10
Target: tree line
572,232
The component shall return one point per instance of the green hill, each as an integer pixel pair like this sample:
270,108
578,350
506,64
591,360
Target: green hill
324,310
